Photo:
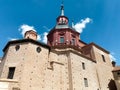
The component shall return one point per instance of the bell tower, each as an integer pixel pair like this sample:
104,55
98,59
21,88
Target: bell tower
63,34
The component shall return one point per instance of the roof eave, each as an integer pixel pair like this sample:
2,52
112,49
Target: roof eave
24,40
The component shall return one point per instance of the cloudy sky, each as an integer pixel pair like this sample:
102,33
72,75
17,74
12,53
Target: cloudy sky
98,21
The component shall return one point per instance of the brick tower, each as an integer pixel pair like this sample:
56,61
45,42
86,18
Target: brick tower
62,34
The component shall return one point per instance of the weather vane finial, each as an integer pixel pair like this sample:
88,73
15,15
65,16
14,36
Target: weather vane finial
62,8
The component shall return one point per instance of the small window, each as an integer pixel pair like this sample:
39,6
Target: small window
17,47
85,82
11,72
83,66
103,57
15,88
73,41
61,39
38,49
118,73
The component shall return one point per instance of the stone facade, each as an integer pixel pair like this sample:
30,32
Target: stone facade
54,69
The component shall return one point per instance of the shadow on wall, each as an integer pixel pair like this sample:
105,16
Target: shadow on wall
112,85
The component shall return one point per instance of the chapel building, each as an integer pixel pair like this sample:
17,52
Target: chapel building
64,63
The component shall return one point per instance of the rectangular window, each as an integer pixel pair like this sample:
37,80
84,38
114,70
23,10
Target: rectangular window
61,39
83,66
103,57
15,88
73,41
85,82
118,73
11,72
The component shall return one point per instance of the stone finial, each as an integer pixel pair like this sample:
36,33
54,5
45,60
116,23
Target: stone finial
113,63
31,34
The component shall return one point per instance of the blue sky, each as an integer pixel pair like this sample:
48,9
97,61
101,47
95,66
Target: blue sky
102,29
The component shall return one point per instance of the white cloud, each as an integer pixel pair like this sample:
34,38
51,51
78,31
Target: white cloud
46,28
112,56
23,28
39,37
44,35
13,39
44,38
82,24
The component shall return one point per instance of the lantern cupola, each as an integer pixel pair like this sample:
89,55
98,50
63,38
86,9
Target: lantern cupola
63,34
